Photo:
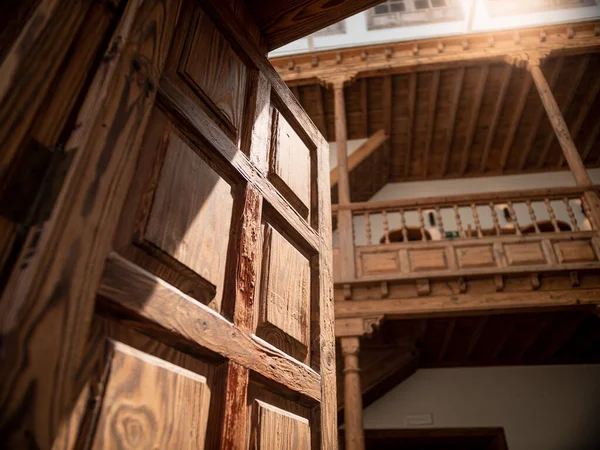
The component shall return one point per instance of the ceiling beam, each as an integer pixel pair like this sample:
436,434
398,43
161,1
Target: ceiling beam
539,114
565,327
475,107
492,303
534,334
402,57
458,82
387,117
587,148
284,21
573,85
496,115
482,321
360,154
431,109
447,337
412,99
516,119
507,331
582,115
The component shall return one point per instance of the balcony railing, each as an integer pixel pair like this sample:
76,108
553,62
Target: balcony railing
480,233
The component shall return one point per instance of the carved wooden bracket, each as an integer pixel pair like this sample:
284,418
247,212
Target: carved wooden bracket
526,60
363,326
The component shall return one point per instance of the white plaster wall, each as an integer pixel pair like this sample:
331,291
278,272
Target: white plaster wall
358,34
540,408
419,189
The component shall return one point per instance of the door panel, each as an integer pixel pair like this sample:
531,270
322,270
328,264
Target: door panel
211,291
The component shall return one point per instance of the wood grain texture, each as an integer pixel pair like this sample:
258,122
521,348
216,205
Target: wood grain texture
190,216
199,327
290,164
278,429
54,291
285,297
150,403
518,254
475,256
574,251
215,71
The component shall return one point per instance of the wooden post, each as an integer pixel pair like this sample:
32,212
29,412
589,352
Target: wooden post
345,224
565,140
353,410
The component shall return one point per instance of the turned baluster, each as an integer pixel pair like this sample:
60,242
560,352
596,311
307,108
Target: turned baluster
551,215
404,229
386,228
422,224
532,216
440,224
495,218
571,214
368,227
513,217
476,220
459,227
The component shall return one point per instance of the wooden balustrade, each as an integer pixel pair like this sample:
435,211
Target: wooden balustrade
517,213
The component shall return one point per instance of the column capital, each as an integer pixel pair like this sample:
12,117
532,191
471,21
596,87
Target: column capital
527,60
350,346
357,326
338,81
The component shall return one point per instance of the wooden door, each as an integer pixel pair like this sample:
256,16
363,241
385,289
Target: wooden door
178,295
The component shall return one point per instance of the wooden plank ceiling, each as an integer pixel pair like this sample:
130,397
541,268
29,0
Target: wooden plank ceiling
400,347
478,120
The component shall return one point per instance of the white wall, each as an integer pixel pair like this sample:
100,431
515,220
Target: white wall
540,408
419,189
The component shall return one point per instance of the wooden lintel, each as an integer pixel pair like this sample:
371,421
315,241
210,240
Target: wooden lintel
491,303
495,116
357,327
458,82
408,56
361,153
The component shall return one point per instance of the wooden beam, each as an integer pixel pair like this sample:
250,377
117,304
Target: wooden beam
475,337
364,107
387,116
573,85
458,82
591,141
495,116
534,334
360,154
555,341
321,120
431,109
516,120
412,99
454,305
284,21
583,113
475,107
539,114
503,338
404,59
447,337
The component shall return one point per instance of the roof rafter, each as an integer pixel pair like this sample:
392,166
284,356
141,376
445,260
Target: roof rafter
412,98
431,108
516,119
483,75
458,82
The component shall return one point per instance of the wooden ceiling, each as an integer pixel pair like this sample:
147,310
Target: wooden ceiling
478,119
400,347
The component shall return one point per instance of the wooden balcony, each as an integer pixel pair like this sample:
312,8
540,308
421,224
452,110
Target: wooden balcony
469,244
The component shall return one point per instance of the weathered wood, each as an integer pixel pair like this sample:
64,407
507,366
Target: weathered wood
495,116
138,293
474,117
458,82
540,114
515,120
360,154
55,288
431,109
353,410
496,303
573,86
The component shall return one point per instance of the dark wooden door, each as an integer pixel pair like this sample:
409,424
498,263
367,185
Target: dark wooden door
178,293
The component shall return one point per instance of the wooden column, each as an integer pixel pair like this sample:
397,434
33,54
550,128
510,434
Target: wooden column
345,225
353,410
565,140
